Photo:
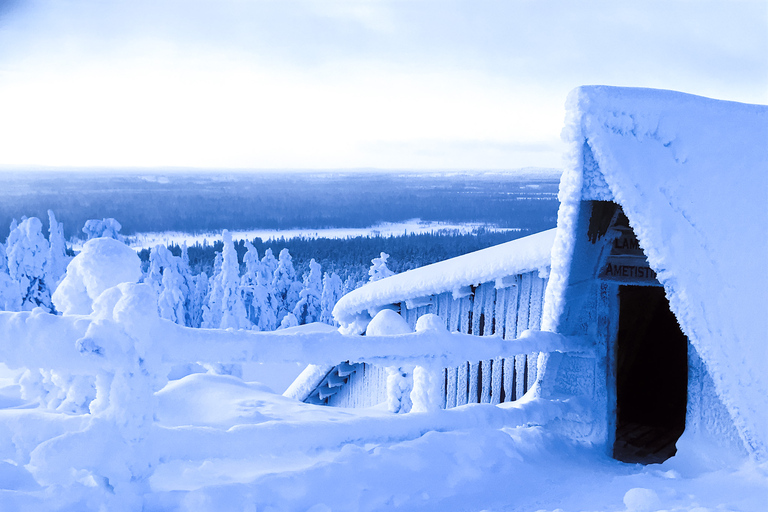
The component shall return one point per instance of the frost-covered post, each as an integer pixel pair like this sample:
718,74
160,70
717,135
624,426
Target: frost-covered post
399,378
111,456
426,394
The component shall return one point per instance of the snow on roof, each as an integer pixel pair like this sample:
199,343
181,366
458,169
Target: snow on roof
691,174
518,256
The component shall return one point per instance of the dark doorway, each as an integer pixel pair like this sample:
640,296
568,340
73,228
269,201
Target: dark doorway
651,377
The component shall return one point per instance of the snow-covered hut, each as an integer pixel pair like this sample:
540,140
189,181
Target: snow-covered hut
657,265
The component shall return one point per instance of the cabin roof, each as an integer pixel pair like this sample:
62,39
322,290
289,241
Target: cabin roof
519,256
691,175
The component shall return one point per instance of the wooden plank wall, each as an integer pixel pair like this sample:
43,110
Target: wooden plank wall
486,311
507,311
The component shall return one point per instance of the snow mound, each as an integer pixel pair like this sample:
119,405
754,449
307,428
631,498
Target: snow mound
516,257
103,263
691,175
388,323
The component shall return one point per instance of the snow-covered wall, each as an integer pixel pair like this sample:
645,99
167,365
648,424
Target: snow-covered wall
691,175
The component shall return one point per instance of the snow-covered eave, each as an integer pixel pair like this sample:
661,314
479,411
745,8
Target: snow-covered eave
519,256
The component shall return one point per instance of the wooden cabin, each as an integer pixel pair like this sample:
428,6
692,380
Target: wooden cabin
657,265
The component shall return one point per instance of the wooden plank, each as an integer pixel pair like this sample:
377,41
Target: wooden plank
477,310
510,323
466,307
450,395
524,303
486,368
455,315
462,384
501,309
519,376
496,380
443,386
510,331
509,379
473,392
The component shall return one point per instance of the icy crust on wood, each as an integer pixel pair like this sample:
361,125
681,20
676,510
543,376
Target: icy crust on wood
691,174
516,257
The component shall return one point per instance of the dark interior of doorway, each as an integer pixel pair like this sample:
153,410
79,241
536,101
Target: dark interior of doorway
651,377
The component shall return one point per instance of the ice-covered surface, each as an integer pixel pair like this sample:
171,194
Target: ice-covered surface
414,226
518,256
691,174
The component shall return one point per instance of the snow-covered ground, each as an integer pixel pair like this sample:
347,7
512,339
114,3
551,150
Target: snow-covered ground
414,226
232,445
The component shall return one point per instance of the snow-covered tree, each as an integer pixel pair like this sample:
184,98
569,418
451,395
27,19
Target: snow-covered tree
268,266
307,310
379,268
104,228
57,260
198,291
27,251
350,284
332,290
231,311
165,276
10,294
285,288
212,308
170,302
248,280
289,320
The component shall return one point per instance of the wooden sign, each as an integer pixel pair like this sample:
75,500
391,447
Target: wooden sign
628,269
626,262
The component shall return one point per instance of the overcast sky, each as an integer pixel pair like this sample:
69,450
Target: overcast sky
323,84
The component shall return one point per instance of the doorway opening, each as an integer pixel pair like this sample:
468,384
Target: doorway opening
651,377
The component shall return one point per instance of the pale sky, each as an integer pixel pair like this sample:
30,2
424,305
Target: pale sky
329,84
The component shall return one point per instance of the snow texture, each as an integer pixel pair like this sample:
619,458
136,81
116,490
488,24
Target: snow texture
102,264
510,258
691,174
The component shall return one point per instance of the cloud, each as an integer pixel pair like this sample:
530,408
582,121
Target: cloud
286,83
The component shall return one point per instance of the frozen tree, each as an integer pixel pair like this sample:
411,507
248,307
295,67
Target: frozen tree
212,308
27,251
10,294
289,320
249,278
231,311
172,298
307,310
379,268
165,276
198,291
332,288
350,284
104,228
57,261
285,288
268,266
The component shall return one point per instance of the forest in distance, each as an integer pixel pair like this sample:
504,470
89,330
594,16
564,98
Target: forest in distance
154,201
